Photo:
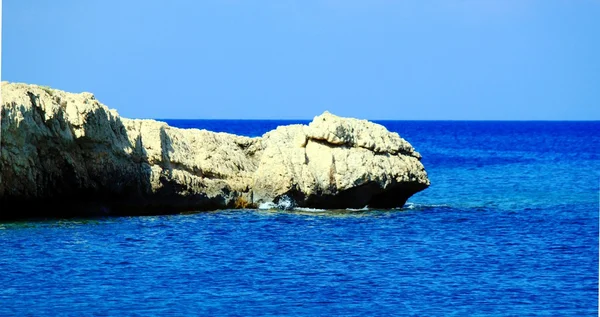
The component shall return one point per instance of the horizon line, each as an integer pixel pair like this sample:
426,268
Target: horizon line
383,120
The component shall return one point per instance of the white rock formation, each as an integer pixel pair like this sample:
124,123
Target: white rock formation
67,154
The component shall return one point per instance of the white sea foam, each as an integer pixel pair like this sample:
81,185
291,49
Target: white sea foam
409,206
267,206
284,203
309,209
365,208
416,206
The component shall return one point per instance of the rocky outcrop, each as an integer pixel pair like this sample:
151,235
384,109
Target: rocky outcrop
66,154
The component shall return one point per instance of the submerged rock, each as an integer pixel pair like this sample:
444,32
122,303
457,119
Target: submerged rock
65,154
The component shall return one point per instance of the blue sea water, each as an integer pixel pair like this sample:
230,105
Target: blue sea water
509,227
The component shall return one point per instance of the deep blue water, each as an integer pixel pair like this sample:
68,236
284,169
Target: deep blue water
509,227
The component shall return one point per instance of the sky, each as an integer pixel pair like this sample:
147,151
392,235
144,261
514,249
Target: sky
283,59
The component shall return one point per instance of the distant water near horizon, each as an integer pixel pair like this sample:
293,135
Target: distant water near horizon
508,227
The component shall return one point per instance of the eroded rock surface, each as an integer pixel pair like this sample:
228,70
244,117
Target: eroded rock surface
65,154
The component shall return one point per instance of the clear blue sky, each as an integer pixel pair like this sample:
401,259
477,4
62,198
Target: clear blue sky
281,59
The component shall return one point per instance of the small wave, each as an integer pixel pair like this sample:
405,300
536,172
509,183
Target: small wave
365,208
411,206
287,203
309,209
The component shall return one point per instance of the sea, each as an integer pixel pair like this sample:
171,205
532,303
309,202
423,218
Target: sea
508,227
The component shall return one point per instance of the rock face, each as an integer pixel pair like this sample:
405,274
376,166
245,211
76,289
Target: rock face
66,154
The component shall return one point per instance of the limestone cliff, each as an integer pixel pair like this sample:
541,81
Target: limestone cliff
65,154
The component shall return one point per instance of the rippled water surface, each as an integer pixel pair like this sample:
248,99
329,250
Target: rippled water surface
509,227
